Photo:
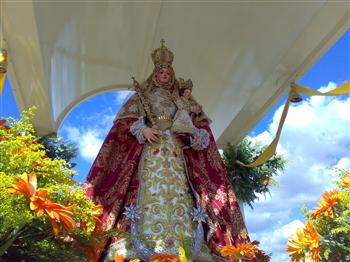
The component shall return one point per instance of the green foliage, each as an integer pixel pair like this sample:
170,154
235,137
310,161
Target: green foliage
248,182
333,227
35,242
335,231
57,148
24,235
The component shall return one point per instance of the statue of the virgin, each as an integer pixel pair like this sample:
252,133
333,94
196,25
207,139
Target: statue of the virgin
160,185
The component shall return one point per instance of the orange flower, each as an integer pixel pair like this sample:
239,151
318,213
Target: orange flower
247,250
326,204
346,180
25,186
306,240
313,241
164,258
119,258
229,251
97,210
56,212
41,204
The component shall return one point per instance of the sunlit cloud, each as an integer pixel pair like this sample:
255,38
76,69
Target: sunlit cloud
89,142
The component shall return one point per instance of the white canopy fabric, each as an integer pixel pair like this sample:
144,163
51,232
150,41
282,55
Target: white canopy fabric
241,56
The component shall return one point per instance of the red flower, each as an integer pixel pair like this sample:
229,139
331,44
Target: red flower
7,128
2,122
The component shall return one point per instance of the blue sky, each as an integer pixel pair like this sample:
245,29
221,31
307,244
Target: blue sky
315,138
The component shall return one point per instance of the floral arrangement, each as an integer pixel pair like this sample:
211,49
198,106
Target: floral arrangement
44,214
326,234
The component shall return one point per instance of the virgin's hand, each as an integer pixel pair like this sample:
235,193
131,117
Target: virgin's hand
196,143
151,135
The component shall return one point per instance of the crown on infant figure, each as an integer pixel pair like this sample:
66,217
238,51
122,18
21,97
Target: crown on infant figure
185,84
162,56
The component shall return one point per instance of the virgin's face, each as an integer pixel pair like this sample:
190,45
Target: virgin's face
163,76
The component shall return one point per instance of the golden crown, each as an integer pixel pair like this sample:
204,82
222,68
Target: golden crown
185,84
162,56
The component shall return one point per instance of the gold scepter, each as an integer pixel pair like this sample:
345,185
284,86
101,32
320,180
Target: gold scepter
145,103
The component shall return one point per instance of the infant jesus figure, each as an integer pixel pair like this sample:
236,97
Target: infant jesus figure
182,122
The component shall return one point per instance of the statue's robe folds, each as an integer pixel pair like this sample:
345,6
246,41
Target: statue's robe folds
113,181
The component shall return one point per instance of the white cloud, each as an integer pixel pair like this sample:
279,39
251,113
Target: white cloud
344,163
89,142
262,138
277,239
315,138
121,96
73,133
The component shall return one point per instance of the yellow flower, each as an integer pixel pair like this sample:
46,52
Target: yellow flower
346,180
306,240
296,246
182,254
135,260
326,204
